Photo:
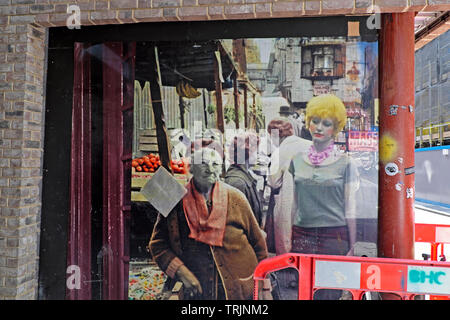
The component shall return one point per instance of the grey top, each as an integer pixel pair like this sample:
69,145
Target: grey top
320,191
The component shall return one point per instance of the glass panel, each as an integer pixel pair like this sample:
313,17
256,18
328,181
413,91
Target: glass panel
326,156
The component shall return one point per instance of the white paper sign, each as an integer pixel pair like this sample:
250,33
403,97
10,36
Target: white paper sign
163,191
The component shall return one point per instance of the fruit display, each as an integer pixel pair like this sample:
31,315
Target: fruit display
151,163
146,283
186,90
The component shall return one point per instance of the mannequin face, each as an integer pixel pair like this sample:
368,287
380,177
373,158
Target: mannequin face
322,130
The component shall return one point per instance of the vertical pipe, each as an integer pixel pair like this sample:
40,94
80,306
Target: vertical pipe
219,108
156,96
396,174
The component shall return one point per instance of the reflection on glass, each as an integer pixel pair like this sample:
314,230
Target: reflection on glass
310,188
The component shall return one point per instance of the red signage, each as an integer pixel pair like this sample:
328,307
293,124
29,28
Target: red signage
363,141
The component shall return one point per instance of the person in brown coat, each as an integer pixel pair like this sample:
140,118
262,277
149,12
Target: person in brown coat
211,240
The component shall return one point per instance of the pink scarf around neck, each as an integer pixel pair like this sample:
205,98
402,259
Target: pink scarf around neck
316,157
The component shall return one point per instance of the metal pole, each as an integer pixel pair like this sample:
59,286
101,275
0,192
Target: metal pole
396,174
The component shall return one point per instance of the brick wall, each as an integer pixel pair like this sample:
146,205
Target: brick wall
23,31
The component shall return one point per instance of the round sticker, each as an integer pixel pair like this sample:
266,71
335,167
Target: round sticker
391,169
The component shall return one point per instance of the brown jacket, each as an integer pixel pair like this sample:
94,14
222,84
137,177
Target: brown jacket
243,245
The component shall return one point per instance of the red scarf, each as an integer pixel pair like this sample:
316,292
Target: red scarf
206,227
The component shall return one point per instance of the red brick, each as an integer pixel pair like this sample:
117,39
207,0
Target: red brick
438,5
85,19
123,4
148,15
86,6
392,5
22,19
60,8
144,4
189,3
287,9
363,6
244,11
126,16
337,6
58,19
212,2
193,13
312,7
165,3
263,10
103,17
3,20
101,5
216,12
42,8
170,14
22,9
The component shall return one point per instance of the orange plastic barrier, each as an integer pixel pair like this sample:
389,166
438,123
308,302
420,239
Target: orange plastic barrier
437,235
406,278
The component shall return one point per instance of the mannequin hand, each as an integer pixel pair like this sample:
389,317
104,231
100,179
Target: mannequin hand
191,284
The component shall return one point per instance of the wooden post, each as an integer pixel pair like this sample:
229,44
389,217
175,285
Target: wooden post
254,110
245,108
205,112
181,105
156,98
236,100
219,106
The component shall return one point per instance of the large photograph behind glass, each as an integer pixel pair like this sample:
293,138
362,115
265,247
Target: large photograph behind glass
274,142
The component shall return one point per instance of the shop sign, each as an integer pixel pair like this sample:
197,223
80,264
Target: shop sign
363,141
321,88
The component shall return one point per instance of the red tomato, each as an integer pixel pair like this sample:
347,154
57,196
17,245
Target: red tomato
134,163
139,168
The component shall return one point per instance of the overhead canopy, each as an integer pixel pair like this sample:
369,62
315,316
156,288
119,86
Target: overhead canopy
191,61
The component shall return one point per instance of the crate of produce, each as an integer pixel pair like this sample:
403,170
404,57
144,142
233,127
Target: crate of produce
145,167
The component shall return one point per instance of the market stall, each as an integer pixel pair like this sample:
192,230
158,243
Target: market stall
191,70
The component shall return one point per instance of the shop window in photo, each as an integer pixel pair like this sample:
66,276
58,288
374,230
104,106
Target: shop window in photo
323,61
